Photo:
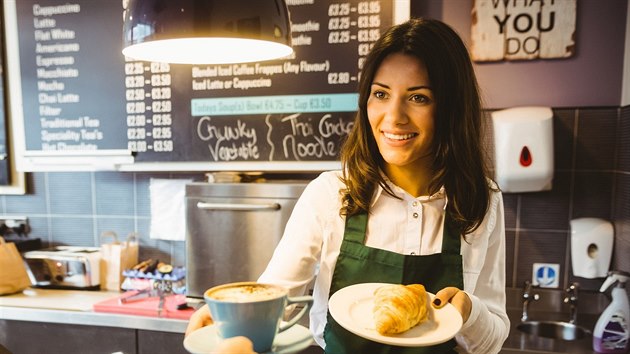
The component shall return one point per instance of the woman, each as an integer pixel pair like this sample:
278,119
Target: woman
413,203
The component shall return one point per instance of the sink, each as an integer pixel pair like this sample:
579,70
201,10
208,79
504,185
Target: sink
554,329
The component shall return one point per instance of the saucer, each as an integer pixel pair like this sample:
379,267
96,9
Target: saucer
293,340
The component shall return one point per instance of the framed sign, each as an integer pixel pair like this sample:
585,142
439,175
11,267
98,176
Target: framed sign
522,30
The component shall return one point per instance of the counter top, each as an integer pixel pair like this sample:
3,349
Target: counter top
76,307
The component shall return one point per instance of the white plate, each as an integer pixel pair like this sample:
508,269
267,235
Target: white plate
293,340
352,308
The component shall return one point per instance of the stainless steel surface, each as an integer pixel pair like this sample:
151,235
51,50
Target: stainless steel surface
64,267
553,329
571,298
527,298
241,207
551,307
232,229
93,319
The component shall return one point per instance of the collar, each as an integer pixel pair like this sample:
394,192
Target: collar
399,192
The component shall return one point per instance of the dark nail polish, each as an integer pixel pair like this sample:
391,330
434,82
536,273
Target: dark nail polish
437,302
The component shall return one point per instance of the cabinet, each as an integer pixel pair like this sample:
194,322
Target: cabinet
55,338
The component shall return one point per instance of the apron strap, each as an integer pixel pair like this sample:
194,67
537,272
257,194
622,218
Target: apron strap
356,225
451,242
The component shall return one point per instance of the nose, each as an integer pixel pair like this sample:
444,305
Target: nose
396,113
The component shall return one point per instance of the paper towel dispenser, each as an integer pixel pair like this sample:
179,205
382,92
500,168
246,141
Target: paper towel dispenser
523,148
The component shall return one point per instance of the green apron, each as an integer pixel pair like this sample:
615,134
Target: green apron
358,263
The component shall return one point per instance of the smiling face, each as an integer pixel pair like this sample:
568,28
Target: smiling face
401,111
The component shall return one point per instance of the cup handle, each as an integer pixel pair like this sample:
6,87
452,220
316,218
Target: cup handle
307,300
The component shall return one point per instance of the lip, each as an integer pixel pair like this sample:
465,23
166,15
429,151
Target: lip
398,138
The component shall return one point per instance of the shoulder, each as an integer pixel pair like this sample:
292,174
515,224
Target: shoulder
325,187
329,180
321,198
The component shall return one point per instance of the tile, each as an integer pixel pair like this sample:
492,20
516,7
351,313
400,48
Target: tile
39,229
178,257
70,193
114,193
620,260
623,141
549,209
510,256
592,195
34,202
155,249
510,205
563,136
621,218
596,137
73,231
121,226
622,199
540,247
143,196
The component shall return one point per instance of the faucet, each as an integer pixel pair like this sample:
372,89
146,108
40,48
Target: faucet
527,298
571,298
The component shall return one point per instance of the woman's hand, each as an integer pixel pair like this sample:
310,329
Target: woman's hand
235,345
199,318
457,298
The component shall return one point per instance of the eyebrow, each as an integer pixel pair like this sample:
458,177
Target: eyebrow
413,88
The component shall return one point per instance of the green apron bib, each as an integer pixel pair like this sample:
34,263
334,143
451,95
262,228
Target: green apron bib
358,263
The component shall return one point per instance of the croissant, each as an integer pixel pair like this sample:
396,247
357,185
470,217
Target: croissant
398,308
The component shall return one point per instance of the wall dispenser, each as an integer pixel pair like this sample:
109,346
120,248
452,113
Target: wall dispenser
591,247
523,141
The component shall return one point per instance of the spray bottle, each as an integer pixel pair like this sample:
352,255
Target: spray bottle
612,329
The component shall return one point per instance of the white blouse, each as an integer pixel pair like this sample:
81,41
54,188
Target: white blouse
313,234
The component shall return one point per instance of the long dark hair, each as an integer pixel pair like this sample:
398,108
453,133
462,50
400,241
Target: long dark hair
459,163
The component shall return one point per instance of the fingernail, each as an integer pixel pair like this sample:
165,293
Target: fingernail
437,302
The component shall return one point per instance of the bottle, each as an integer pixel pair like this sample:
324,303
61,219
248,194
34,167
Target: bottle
611,330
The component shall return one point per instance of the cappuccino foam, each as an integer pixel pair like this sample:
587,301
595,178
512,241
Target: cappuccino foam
246,293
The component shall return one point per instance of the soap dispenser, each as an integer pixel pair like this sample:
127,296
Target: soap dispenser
611,330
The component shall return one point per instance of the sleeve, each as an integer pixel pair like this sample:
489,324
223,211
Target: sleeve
294,262
488,324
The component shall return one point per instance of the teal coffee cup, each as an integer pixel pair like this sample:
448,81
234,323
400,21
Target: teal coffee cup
253,310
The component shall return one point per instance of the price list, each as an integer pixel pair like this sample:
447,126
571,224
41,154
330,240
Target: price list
149,107
344,28
80,93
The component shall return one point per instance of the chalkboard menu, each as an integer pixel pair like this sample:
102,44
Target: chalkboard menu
79,94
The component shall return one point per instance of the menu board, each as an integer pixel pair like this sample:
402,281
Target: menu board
79,94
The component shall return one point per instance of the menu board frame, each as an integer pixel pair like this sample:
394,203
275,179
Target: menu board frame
125,159
16,181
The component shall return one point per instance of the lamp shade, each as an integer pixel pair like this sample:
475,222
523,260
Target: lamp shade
206,31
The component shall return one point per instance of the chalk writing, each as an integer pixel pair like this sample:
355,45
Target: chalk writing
228,143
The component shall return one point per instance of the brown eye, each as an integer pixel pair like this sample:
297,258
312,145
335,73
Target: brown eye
379,94
418,98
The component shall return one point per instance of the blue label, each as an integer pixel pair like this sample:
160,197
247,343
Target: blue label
546,276
341,102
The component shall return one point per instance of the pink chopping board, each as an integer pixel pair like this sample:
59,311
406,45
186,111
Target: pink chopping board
146,307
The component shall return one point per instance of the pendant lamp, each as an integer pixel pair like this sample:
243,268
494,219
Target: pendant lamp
206,31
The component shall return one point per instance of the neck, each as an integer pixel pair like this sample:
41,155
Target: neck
414,181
